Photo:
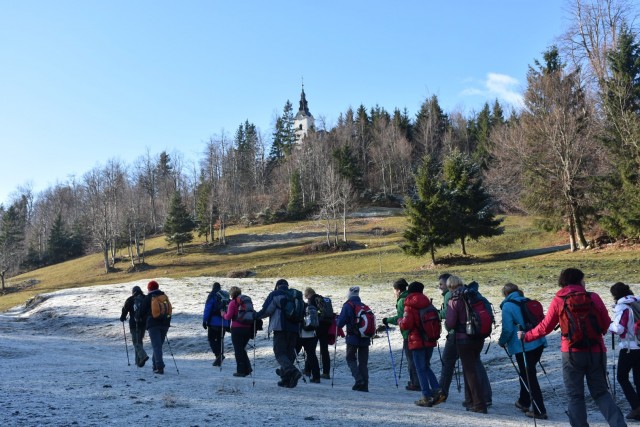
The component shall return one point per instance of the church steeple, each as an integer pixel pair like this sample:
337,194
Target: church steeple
303,121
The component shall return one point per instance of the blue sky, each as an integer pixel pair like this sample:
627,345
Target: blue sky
82,82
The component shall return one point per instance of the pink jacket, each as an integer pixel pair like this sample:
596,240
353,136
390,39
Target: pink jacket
232,313
552,319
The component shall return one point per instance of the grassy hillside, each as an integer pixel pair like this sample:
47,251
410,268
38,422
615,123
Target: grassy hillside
524,255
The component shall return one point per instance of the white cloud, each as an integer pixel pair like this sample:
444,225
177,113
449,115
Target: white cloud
500,86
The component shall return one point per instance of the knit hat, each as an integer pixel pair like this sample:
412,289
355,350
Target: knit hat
354,291
216,287
136,290
416,287
152,286
282,284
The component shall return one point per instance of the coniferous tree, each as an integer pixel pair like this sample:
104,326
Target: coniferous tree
428,214
347,165
622,105
471,206
294,207
12,234
179,225
58,244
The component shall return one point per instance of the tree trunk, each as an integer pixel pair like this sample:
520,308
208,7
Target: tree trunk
572,235
105,253
582,241
433,254
2,273
462,245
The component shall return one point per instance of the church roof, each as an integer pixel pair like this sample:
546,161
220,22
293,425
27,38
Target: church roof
303,111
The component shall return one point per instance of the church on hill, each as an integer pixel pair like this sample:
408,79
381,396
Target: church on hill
303,121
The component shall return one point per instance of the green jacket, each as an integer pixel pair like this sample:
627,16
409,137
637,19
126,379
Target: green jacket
400,307
445,303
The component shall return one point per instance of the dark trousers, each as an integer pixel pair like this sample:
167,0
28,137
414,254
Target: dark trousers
157,335
533,357
449,359
576,366
215,335
311,363
413,375
239,338
469,352
284,348
137,335
357,360
629,361
323,338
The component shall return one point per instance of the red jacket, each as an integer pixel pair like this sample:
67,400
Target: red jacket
546,326
410,321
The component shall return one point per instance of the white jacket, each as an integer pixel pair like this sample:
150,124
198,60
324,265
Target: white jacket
625,332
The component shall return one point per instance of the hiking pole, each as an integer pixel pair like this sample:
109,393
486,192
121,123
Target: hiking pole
333,365
613,351
457,372
526,368
553,388
526,387
171,351
126,347
253,374
393,364
298,365
401,359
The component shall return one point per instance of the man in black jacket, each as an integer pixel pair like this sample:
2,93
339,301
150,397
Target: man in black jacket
136,325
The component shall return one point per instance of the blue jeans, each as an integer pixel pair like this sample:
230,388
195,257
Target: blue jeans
157,334
422,362
575,367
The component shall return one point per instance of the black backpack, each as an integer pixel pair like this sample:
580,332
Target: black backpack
138,300
293,306
325,309
222,301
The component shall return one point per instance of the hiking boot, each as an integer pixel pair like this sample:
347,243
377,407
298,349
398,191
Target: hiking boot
293,381
279,372
159,371
315,380
360,386
143,361
282,383
532,414
438,398
413,387
218,361
634,415
521,406
239,374
326,376
425,402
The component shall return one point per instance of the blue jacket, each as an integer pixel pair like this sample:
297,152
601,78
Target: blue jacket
211,313
272,308
348,317
511,318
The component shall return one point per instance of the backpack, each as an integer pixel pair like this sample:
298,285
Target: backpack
578,322
325,309
532,312
246,312
635,309
311,320
479,314
365,321
293,307
138,300
429,324
161,307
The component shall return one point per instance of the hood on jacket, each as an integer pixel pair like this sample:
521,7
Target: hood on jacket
513,296
416,300
563,292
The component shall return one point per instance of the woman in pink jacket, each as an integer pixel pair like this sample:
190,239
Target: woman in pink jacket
240,334
580,357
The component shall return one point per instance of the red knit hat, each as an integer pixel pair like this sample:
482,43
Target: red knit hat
152,286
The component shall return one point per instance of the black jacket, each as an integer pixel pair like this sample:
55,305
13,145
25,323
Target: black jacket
127,310
145,311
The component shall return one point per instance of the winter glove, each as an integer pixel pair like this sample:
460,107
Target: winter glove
204,325
122,319
385,321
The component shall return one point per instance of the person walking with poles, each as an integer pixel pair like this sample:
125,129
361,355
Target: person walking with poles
626,314
326,318
583,320
137,325
359,334
416,322
156,309
213,322
241,332
512,320
400,292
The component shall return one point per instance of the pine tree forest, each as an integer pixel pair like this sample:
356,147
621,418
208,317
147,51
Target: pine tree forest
570,156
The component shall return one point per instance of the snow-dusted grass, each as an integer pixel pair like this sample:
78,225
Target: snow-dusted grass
63,362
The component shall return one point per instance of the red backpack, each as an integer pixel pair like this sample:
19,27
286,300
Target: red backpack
532,312
365,321
429,324
578,323
479,314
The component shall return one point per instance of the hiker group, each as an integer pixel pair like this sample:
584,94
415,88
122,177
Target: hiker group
299,321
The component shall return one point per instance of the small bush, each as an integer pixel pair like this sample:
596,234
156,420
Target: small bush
240,274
